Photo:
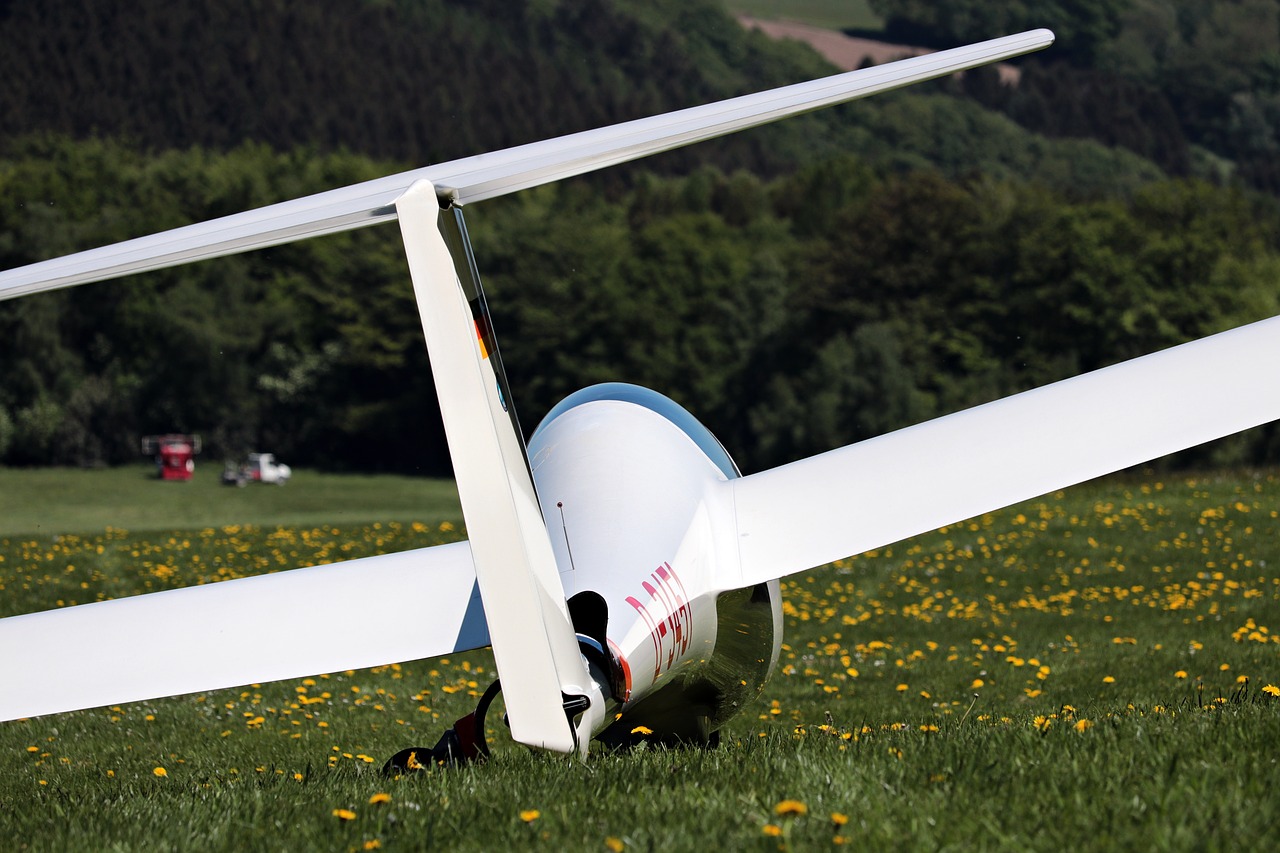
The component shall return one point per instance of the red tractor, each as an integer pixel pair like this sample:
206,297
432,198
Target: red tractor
174,454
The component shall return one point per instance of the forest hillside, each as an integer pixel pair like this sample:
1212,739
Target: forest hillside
797,287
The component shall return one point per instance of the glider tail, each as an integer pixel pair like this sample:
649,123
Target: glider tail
534,643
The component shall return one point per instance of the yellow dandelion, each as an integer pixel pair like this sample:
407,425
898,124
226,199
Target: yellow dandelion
344,814
1107,679
373,844
839,819
378,798
530,815
772,830
33,749
902,688
1271,690
791,808
1182,673
643,731
161,772
617,845
977,683
1081,725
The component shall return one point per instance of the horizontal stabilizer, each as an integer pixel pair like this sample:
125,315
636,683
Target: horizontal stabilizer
360,613
918,479
497,173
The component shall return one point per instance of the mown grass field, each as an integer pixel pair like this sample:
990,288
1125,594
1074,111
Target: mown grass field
1097,669
67,500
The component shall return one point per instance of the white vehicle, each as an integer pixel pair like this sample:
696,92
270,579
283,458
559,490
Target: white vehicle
264,468
623,571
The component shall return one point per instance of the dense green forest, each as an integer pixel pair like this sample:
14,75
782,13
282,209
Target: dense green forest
1192,84
409,81
797,287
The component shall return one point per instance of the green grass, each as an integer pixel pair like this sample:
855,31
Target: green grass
1083,671
67,500
833,14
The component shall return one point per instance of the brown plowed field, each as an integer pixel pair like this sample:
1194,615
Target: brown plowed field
847,52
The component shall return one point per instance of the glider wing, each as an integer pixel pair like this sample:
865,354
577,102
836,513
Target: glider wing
918,479
360,613
497,173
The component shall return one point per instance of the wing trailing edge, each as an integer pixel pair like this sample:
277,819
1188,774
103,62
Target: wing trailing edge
497,173
882,490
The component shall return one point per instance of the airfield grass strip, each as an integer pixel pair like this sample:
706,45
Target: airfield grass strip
1096,669
55,501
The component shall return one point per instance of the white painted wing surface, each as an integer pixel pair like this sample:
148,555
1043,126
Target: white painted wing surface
489,175
359,613
918,479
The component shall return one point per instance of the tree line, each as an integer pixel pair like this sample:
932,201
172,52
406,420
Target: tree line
790,314
1193,85
796,287
410,81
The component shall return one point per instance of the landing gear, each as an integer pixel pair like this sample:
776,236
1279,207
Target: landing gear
463,744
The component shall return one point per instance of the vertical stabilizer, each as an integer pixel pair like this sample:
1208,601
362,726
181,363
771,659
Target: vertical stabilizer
533,640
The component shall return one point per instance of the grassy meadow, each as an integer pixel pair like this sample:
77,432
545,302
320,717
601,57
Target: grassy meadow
1096,669
53,501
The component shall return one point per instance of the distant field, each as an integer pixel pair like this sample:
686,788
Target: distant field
1095,670
833,14
67,500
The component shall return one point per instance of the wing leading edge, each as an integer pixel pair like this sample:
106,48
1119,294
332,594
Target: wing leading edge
867,495
360,613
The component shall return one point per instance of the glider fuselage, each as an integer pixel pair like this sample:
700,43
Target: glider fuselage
635,496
